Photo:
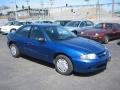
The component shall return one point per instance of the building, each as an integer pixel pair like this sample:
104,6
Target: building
28,13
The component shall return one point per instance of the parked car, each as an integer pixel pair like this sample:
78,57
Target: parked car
74,26
49,22
12,26
57,45
102,32
62,22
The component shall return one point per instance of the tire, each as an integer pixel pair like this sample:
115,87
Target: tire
63,65
14,51
75,32
106,39
12,30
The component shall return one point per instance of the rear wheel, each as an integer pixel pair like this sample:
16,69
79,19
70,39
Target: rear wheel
106,39
63,65
14,50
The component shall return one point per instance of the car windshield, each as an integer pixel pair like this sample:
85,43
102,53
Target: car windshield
9,23
73,23
99,26
19,23
104,26
59,33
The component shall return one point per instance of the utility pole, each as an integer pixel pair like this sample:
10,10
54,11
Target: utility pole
42,9
87,3
51,4
16,16
113,3
27,1
98,10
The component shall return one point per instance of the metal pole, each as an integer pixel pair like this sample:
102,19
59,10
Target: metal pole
16,17
42,7
113,7
28,7
87,3
98,10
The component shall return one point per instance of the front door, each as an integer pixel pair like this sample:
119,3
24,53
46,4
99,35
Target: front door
37,48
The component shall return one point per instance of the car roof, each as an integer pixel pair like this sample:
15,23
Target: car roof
108,23
44,24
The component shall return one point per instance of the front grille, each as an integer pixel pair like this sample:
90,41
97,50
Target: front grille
102,65
102,54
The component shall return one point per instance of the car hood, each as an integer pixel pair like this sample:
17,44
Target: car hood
86,45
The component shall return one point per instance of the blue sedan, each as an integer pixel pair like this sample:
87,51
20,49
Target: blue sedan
55,44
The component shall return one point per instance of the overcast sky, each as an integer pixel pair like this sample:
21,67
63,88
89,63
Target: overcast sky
37,3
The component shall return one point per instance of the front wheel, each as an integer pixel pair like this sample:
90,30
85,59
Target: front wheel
14,50
63,65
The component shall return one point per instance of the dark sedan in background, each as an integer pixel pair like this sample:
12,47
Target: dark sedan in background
102,32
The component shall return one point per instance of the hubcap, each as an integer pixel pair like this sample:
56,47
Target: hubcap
13,50
106,39
12,31
62,65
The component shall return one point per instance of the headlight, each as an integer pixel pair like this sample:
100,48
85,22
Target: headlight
96,34
82,33
88,56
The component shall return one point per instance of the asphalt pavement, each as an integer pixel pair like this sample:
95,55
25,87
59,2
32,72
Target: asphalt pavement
27,73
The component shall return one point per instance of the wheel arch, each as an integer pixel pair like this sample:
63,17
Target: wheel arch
56,54
11,42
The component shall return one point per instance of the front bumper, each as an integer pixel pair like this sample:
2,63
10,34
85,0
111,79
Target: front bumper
87,66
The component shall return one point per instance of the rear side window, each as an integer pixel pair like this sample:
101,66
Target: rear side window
109,26
89,23
117,26
24,31
104,26
73,23
83,24
36,33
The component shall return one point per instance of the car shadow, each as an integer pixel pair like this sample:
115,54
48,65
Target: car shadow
118,43
41,62
38,61
88,74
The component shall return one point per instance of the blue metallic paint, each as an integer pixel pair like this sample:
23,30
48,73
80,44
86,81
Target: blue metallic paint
73,48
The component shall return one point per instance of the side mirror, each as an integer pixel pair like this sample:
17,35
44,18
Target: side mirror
41,39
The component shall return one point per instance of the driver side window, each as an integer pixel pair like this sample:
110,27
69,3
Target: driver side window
23,31
83,24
